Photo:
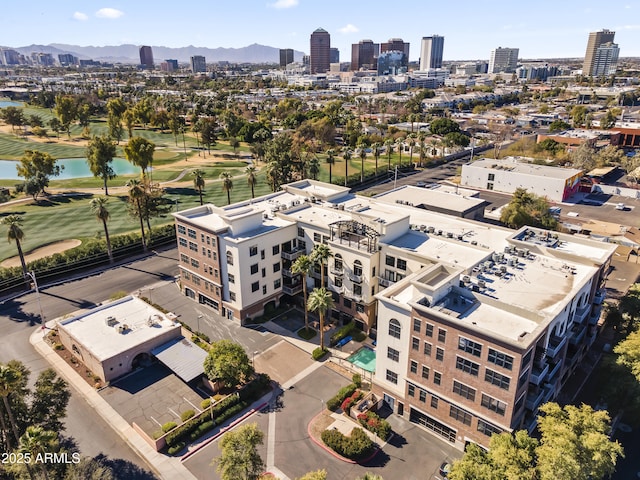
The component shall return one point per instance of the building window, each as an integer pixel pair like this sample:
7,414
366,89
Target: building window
411,390
337,262
208,240
425,372
193,247
390,261
204,251
357,268
182,242
469,346
442,335
487,428
276,267
392,376
417,325
359,308
497,379
428,330
415,343
337,282
325,239
427,349
191,233
253,251
401,264
264,289
489,185
254,268
255,286
229,258
232,278
467,366
437,378
492,404
393,354
464,390
394,328
526,359
264,272
202,237
439,354
414,367
184,258
195,263
500,359
460,415
317,237
232,296
523,378
423,396
215,256
346,302
276,284
275,250
182,230
434,401
301,232
357,289
213,242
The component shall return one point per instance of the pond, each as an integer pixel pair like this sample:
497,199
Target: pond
73,168
8,103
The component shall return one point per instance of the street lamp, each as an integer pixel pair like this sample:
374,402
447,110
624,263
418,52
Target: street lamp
32,275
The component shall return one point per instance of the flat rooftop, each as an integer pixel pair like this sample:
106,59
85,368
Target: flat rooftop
515,165
438,198
143,323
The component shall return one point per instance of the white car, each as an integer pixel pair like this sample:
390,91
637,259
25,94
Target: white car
621,206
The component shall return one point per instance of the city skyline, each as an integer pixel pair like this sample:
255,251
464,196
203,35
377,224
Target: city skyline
549,30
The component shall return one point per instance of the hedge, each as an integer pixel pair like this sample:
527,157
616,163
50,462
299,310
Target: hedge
342,332
334,402
318,353
374,423
355,446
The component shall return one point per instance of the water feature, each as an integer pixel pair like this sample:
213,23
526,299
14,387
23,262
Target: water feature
364,358
8,103
73,168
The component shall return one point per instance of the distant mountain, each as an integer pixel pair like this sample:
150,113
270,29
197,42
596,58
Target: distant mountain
129,53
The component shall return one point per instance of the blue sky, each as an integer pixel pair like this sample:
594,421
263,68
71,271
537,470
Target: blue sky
541,28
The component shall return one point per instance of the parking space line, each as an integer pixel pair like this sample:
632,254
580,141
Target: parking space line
173,412
159,424
189,402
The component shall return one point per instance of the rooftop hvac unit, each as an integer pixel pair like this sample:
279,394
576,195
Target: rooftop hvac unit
507,249
449,235
460,237
474,242
482,284
423,228
526,252
439,232
110,321
340,207
121,328
503,268
512,262
495,257
466,279
430,229
520,253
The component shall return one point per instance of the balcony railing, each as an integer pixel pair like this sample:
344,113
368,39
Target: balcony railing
582,312
384,282
577,334
292,254
288,273
534,399
352,296
355,278
539,374
555,345
553,372
292,289
338,272
599,298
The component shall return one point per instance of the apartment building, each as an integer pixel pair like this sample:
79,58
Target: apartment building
503,60
596,40
476,325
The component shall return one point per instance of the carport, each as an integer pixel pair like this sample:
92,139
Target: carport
182,357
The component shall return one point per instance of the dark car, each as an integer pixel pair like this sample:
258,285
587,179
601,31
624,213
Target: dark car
445,468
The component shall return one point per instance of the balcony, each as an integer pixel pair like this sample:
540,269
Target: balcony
292,289
292,254
534,399
555,345
338,272
554,371
355,278
288,273
538,374
384,282
599,298
577,334
581,313
547,393
352,296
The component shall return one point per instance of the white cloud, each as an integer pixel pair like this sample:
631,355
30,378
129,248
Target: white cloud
628,27
349,28
111,13
284,4
80,16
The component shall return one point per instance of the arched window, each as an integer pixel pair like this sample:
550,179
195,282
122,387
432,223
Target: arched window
229,258
357,267
337,261
394,328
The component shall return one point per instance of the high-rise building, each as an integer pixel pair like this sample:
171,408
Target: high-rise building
596,39
320,48
431,53
392,62
334,55
146,57
286,56
395,45
364,55
503,60
67,59
198,64
10,57
605,61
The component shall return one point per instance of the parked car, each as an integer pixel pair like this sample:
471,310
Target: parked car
621,206
445,468
421,184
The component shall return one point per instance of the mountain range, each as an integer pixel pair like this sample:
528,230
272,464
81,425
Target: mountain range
129,53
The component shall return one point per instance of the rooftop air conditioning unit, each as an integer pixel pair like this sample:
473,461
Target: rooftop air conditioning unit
474,242
110,321
430,229
482,284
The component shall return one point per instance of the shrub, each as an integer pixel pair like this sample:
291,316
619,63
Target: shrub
118,295
318,353
334,402
357,380
178,447
358,335
187,414
372,422
348,402
355,446
169,426
204,404
58,346
341,333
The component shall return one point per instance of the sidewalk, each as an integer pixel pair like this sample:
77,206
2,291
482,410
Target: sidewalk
165,467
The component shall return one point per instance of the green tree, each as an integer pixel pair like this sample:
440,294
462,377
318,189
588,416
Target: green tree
38,166
66,111
363,156
89,468
99,209
457,138
38,441
376,150
583,157
100,153
137,197
15,234
143,111
303,266
12,116
558,126
400,143
234,143
252,178
320,255
610,155
331,159
346,155
370,476
198,182
608,120
129,119
208,133
527,209
314,167
228,363
10,382
579,115
442,126
239,458
389,143
139,151
227,184
320,301
317,475
56,126
114,125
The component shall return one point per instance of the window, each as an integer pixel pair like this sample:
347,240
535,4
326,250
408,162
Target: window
500,359
255,286
215,255
414,367
467,366
464,390
423,396
491,177
425,372
359,308
393,354
191,233
427,349
229,258
337,281
526,359
184,258
232,296
275,250
264,272
182,242
437,378
519,403
417,325
487,428
460,415
523,378
347,304
401,264
193,246
434,401
204,251
264,289
301,232
415,343
325,239
411,390
182,230
442,335
337,262
262,254
394,328
202,237
392,376
469,346
302,245
276,284
389,260
489,185
213,242
496,378
253,250
195,263
428,330
208,240
317,237
357,289
276,267
492,404
254,268
357,268
439,354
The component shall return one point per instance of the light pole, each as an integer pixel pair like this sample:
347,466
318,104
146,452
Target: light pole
32,275
199,317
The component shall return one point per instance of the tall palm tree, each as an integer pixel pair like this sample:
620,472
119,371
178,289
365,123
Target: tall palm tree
376,154
227,184
363,157
15,233
302,266
389,143
320,255
331,153
320,301
9,382
412,143
252,178
36,441
347,157
314,167
198,182
400,142
137,196
99,209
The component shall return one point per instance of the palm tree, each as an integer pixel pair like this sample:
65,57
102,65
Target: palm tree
252,178
347,157
227,184
314,167
303,266
320,301
99,209
15,233
363,157
331,153
400,142
376,154
137,195
198,182
389,143
272,174
36,441
412,143
9,382
320,255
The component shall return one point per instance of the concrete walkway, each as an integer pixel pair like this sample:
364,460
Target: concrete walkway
165,467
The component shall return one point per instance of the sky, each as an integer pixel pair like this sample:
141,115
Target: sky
540,29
